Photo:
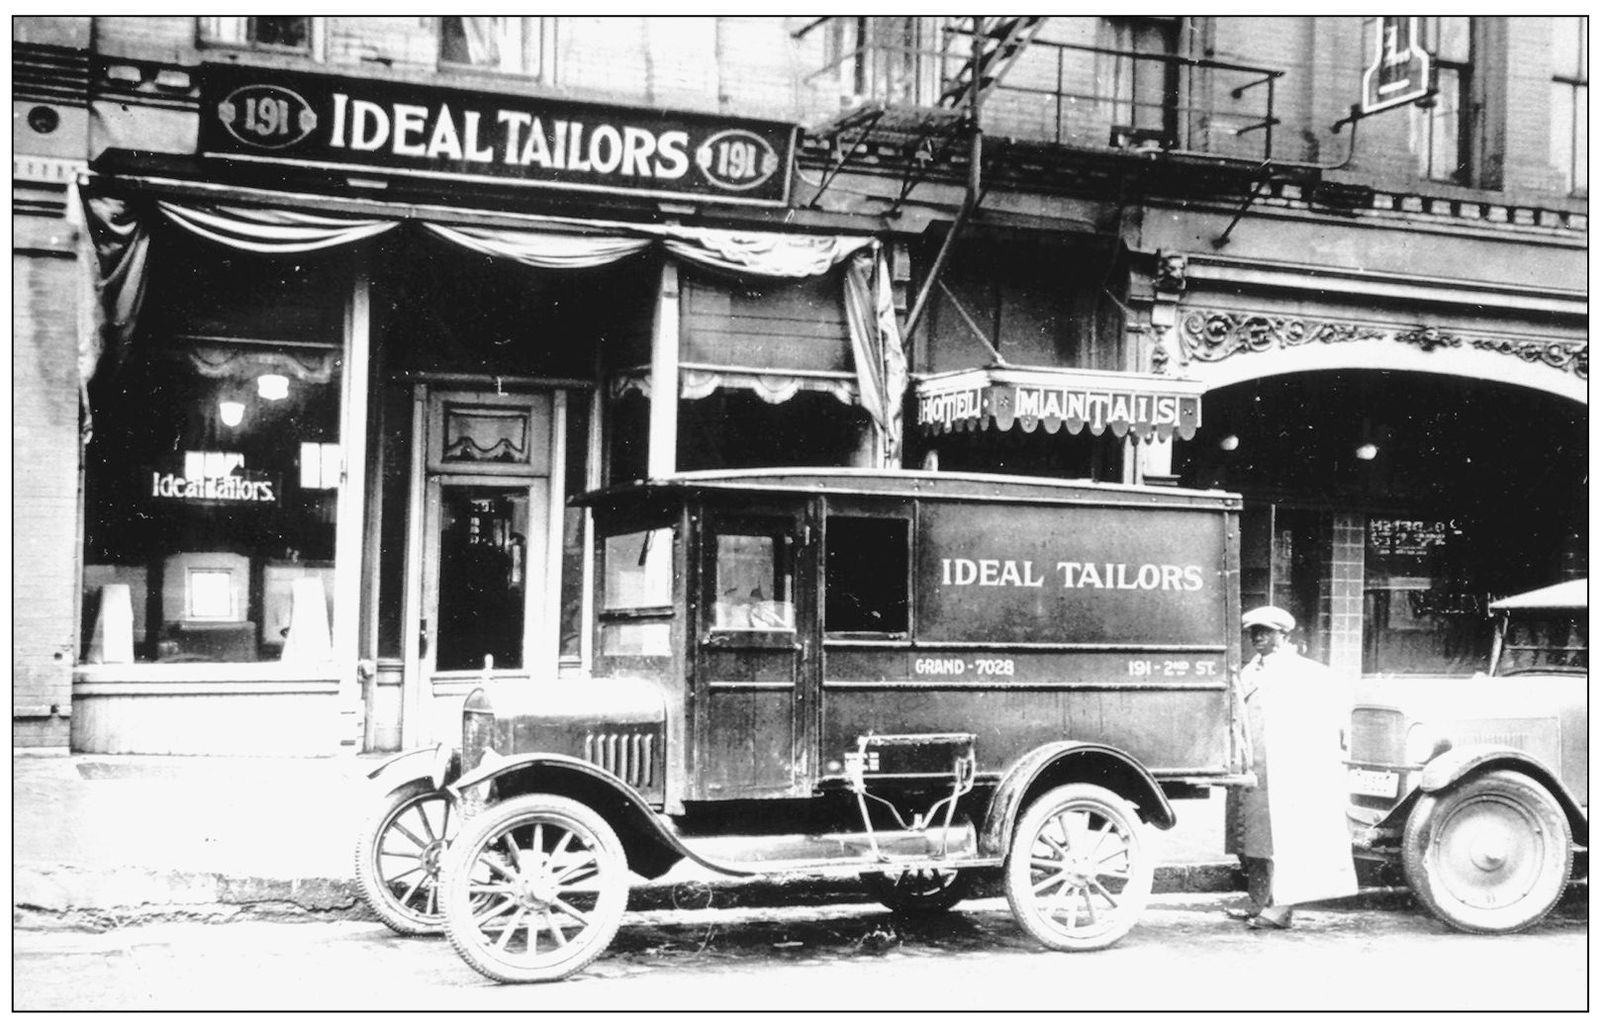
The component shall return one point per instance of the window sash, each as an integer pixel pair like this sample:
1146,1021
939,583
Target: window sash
510,45
245,32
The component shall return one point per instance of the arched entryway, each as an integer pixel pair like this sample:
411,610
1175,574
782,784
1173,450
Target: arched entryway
1386,507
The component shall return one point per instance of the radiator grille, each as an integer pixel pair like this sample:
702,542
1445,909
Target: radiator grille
1378,736
629,756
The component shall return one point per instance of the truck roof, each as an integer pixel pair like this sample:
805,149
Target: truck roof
1567,595
908,482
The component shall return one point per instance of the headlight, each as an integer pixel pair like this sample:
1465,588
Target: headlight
1419,743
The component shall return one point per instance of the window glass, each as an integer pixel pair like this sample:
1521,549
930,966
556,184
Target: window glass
637,570
209,499
866,575
1544,643
277,32
754,581
1441,132
1568,104
492,43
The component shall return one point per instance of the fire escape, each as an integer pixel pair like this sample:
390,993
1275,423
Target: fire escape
984,102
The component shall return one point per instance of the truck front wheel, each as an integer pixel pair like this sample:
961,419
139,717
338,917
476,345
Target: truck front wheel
398,856
1491,855
534,889
1077,875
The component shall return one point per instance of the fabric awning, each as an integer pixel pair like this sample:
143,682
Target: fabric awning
1059,399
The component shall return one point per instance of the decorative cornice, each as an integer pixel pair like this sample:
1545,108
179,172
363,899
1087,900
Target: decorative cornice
1215,335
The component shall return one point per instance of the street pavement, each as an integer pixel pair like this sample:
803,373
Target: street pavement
1182,955
121,838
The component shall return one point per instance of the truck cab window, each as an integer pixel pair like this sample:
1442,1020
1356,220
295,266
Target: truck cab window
867,563
634,619
754,579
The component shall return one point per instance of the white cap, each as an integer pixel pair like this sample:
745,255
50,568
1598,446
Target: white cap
1270,617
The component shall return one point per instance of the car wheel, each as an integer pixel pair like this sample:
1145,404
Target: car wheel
398,857
1077,873
1491,855
534,889
918,890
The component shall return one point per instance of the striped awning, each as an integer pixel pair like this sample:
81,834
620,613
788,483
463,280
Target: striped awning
1059,399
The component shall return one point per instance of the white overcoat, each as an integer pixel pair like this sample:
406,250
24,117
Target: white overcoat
1296,716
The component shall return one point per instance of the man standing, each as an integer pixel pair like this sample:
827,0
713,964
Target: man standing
1293,827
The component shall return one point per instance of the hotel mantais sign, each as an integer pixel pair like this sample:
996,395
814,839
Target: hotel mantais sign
267,115
1059,399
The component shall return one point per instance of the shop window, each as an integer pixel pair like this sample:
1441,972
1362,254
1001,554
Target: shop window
753,578
1442,132
294,34
635,605
512,45
1568,122
867,575
210,504
1422,614
212,475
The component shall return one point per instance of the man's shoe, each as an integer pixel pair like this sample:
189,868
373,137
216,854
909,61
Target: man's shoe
1262,922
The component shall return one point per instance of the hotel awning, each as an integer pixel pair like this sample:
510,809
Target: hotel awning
1059,399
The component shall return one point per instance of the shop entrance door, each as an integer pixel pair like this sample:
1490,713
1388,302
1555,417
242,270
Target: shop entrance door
483,606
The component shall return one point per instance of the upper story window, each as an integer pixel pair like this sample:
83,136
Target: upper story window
1143,84
884,59
1568,109
1442,131
512,45
291,34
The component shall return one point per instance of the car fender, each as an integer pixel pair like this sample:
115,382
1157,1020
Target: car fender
1060,762
1448,769
651,846
438,764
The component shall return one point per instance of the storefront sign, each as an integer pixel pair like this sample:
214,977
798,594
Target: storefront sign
1400,70
1408,538
1053,400
386,127
222,489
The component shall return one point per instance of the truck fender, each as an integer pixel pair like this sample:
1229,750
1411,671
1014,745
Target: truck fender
651,847
1448,769
436,764
1059,763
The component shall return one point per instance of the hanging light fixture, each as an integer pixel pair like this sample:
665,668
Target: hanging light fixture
1366,452
273,386
1229,442
231,412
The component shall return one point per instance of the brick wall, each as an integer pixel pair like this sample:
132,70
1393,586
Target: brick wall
44,480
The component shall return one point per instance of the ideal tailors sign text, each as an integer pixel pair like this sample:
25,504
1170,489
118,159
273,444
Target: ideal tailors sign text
272,116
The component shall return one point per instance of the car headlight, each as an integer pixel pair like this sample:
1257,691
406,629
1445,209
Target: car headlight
1421,743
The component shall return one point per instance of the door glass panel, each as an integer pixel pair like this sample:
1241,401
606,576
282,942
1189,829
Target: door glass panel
754,581
481,603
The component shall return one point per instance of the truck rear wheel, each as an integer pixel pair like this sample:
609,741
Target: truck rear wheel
1077,874
919,890
534,889
1491,855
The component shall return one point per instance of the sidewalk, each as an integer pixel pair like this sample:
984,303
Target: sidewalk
125,837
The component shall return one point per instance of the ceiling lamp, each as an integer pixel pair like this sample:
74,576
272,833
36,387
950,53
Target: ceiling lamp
1229,442
231,412
273,387
1366,452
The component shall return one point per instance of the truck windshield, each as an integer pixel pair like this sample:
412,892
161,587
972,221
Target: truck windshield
1544,643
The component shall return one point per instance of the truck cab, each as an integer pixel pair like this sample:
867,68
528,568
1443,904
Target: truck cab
1476,789
907,676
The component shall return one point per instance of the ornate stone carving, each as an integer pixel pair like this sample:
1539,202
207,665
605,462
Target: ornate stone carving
1170,274
1212,336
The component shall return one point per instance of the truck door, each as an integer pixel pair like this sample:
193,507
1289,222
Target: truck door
754,711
